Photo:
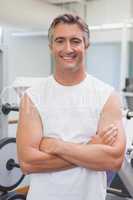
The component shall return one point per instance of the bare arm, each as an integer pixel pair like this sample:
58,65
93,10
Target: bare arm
29,136
96,156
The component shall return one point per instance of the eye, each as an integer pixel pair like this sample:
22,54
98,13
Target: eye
59,41
76,41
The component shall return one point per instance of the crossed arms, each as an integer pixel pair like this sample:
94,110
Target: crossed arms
39,154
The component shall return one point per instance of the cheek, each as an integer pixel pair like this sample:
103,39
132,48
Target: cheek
55,52
57,48
80,49
81,52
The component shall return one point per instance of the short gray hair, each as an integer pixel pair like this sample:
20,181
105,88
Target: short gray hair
70,19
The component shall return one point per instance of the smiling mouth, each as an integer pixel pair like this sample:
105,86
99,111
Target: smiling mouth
68,58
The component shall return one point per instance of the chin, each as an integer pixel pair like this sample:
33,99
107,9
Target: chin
70,67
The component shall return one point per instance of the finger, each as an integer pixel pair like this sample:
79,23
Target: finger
112,141
111,138
103,132
112,132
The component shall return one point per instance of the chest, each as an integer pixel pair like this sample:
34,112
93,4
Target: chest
71,116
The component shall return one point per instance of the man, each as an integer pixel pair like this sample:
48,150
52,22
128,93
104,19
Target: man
70,127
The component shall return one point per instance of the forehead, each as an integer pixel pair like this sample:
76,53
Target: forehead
67,30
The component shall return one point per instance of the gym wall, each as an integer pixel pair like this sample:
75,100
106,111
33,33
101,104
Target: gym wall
103,61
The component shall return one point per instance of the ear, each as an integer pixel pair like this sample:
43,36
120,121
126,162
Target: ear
50,46
87,46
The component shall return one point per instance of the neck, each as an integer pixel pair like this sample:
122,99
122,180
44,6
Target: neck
69,77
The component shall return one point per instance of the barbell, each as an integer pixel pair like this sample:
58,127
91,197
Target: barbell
7,108
129,114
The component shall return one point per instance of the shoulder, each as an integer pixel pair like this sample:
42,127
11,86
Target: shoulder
99,84
111,112
37,87
100,90
114,104
35,93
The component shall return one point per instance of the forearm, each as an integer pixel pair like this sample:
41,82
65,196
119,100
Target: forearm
103,152
36,161
50,166
95,157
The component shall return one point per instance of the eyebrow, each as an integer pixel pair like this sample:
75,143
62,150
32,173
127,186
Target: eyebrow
59,38
62,38
76,38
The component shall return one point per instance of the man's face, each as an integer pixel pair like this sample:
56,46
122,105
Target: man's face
68,47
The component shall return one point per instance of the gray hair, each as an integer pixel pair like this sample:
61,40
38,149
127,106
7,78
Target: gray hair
70,19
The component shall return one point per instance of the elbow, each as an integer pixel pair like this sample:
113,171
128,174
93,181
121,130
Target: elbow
25,168
117,163
116,166
117,158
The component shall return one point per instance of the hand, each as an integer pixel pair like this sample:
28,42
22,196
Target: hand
50,145
107,136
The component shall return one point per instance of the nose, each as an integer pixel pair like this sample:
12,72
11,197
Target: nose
68,47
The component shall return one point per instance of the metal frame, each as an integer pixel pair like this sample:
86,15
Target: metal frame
3,83
124,27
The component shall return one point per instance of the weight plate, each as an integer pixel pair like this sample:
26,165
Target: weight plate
13,195
9,179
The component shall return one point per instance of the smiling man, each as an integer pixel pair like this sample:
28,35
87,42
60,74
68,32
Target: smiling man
70,126
68,47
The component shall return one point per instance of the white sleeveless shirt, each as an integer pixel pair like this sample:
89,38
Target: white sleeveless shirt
72,114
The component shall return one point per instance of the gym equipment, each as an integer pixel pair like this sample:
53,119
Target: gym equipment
129,115
13,196
10,173
7,108
129,92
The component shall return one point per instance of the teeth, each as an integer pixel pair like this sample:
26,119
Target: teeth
67,57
